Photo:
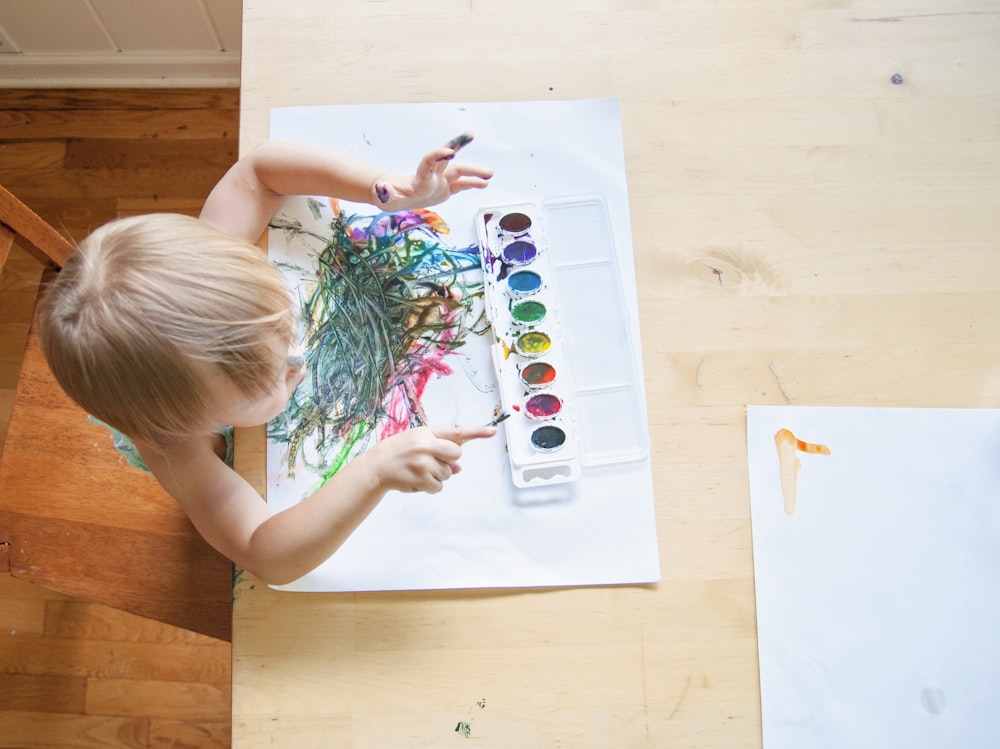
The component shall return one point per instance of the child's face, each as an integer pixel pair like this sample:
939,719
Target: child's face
238,409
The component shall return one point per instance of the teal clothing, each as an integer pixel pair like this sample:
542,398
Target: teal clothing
124,445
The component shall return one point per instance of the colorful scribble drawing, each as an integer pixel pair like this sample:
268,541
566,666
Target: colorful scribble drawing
384,306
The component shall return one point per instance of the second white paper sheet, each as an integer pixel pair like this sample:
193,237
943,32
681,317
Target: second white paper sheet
876,539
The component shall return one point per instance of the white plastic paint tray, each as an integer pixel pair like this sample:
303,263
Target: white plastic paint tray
602,414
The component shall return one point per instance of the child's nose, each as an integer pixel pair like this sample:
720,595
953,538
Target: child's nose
296,371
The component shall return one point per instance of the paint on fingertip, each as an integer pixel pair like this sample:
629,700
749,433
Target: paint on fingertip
382,193
459,141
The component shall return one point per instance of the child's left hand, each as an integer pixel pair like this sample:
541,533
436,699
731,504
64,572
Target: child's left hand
437,178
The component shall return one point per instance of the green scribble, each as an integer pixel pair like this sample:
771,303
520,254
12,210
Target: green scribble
347,447
315,208
385,302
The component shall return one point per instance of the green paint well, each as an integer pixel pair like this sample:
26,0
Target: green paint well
528,313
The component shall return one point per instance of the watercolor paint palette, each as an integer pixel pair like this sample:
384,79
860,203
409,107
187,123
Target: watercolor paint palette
562,353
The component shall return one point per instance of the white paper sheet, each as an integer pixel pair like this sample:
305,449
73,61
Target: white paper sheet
878,588
480,531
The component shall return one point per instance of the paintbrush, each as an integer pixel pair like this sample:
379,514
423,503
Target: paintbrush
501,418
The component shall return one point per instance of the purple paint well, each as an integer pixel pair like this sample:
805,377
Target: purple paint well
519,253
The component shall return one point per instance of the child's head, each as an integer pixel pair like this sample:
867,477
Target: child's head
154,316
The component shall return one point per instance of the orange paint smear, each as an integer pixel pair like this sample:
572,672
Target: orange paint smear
788,463
785,436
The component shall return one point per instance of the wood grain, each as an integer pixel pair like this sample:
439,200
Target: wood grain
33,233
807,230
114,123
73,673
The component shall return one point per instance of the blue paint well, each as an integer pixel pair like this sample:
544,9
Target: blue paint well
524,282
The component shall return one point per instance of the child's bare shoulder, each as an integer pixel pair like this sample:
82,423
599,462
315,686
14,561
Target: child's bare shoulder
195,456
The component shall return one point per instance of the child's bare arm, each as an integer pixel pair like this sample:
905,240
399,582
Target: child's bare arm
281,547
251,192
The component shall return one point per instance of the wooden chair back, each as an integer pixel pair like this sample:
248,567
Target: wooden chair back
73,517
40,239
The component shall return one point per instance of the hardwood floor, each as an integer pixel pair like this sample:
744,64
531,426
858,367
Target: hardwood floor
75,674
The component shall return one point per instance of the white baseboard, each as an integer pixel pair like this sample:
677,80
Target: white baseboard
145,70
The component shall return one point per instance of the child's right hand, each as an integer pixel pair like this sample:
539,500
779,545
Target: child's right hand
437,178
421,459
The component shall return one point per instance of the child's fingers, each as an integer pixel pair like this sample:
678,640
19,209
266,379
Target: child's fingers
432,165
459,142
436,457
431,478
458,433
444,154
444,472
468,183
438,158
467,177
469,170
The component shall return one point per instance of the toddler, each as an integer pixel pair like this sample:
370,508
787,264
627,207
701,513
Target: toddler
172,330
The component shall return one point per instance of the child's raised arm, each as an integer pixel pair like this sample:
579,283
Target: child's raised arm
249,194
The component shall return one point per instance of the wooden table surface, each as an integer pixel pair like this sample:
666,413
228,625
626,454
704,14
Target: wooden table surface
815,202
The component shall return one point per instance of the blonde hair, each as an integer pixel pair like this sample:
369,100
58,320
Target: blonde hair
143,304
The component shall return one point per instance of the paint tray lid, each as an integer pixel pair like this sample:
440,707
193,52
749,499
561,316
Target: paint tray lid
597,324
